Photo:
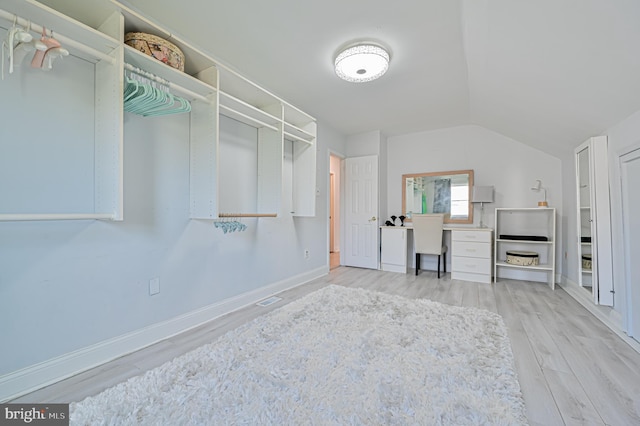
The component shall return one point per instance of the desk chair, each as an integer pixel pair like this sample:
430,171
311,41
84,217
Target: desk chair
427,238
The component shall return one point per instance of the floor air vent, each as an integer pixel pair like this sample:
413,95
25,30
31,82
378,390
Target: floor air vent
269,301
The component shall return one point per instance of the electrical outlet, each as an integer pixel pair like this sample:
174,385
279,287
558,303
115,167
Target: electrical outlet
306,254
154,286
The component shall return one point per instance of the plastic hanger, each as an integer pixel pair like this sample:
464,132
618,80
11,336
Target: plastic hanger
150,98
130,89
51,54
50,42
16,35
25,48
177,106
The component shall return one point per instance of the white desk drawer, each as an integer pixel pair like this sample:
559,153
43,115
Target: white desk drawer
466,276
471,264
471,235
471,249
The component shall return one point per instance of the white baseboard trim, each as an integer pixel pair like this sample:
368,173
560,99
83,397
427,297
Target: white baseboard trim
39,375
608,316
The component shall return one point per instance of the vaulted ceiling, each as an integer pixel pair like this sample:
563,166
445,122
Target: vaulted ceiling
548,73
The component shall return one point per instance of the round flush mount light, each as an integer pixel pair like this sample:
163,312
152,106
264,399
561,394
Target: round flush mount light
362,62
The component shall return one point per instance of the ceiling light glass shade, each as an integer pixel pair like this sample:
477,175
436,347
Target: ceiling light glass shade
361,63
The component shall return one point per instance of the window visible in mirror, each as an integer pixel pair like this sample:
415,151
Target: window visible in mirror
439,192
460,201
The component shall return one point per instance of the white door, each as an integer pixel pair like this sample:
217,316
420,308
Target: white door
630,176
361,212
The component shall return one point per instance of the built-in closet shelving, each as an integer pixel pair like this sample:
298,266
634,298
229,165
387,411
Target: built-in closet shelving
212,89
103,49
240,99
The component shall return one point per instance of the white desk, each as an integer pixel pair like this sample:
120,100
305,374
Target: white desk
470,248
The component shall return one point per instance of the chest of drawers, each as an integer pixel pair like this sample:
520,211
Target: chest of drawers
471,254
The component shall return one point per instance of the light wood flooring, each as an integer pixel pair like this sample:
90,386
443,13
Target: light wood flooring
572,369
334,259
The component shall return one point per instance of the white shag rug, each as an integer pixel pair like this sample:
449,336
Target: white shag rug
337,356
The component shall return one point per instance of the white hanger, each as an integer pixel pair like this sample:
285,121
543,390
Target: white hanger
16,34
51,43
22,49
51,55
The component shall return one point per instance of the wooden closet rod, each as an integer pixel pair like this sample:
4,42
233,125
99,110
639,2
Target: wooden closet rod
65,41
247,215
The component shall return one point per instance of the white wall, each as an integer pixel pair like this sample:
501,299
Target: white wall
510,166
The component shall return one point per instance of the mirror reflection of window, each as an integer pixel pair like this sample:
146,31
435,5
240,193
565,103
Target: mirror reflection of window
439,192
459,201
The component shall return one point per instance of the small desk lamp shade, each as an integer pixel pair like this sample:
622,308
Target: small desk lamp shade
482,194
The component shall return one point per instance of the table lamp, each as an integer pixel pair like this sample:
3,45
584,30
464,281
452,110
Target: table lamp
482,194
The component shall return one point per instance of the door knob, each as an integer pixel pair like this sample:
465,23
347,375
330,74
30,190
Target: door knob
373,218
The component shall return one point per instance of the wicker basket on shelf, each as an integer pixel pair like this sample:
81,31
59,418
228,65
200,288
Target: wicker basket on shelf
156,47
522,258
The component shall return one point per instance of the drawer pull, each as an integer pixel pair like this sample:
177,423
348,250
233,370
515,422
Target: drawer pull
471,250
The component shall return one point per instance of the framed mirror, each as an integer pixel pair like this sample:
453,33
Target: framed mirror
439,192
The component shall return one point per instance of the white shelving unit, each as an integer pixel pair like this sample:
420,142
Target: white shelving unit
96,34
521,223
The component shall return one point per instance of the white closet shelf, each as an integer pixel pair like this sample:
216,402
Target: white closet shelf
296,117
293,137
244,118
177,77
55,216
298,132
247,111
532,267
195,60
239,87
95,45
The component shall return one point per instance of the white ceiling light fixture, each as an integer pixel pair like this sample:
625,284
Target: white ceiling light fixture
362,62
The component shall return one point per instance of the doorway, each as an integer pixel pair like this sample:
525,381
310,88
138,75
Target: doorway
335,167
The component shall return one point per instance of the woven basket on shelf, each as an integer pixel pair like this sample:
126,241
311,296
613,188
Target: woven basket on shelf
157,47
522,258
